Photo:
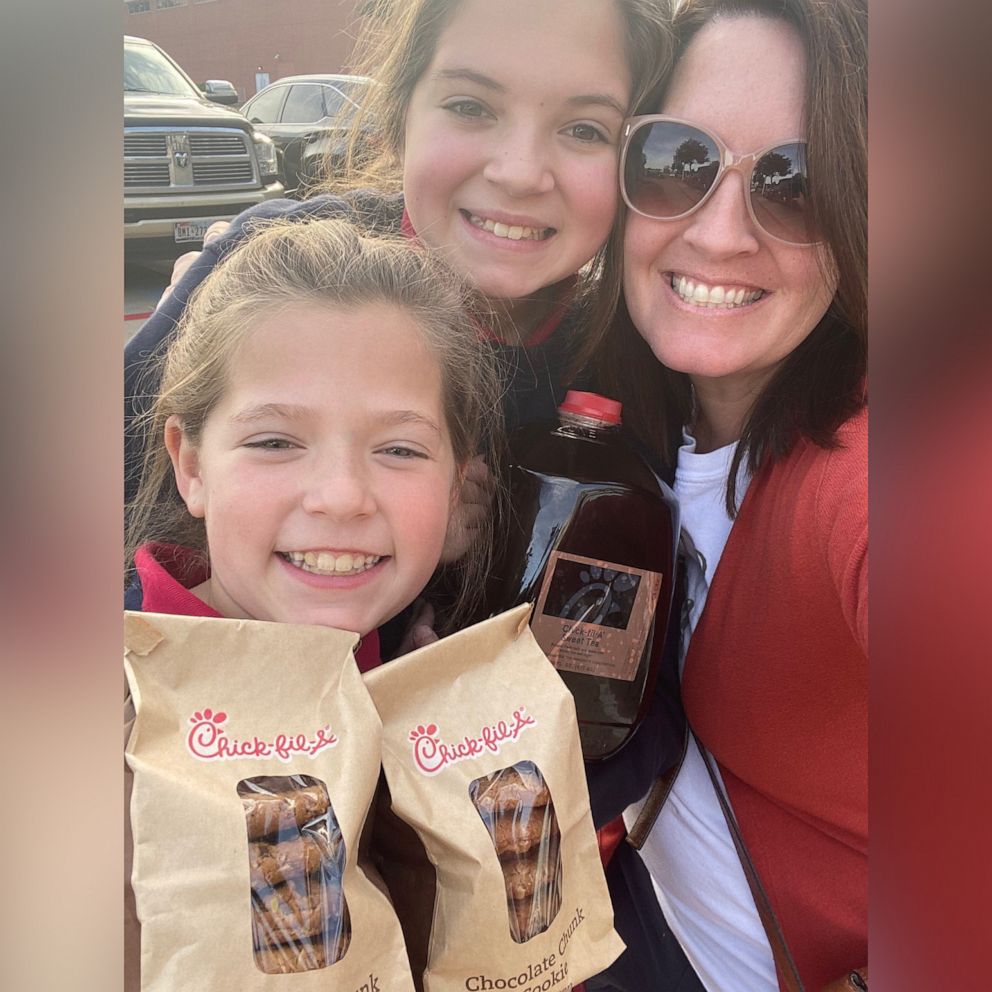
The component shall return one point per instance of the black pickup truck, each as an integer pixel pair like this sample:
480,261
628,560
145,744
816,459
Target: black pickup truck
187,161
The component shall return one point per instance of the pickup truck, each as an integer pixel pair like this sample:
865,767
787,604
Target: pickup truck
187,161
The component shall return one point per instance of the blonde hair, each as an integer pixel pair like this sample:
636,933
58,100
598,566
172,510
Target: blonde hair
323,263
395,47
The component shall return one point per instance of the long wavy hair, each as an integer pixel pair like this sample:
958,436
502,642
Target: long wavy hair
823,381
395,47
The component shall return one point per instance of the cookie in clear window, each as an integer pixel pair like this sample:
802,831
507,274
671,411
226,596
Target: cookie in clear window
296,858
516,807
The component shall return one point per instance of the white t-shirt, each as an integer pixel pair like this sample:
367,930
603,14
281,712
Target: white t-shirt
690,853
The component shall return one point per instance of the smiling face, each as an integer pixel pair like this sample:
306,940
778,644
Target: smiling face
742,78
325,475
511,140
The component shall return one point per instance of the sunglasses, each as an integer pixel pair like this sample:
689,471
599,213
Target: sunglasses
669,168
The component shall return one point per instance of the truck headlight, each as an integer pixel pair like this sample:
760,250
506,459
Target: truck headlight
268,160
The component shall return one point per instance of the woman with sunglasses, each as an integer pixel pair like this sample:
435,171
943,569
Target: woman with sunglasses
745,277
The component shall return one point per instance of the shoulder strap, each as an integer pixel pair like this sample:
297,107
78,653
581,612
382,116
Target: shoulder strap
784,963
657,796
637,835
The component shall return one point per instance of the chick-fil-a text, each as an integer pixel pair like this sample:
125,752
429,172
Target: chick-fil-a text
431,754
208,741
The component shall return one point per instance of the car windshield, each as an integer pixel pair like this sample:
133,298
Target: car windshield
147,70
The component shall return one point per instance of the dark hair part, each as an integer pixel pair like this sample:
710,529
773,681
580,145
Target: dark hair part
823,381
397,44
330,264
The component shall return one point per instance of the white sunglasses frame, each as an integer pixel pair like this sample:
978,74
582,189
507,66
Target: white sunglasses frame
729,162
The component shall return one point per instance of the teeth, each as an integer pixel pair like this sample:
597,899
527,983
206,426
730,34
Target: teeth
515,232
324,563
701,295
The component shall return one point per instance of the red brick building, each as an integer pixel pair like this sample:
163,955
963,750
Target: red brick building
243,40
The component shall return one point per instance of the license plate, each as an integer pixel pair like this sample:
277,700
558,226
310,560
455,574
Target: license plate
192,230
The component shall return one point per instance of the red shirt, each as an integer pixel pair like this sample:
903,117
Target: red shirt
776,686
168,572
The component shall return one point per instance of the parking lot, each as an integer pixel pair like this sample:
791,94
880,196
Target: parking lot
144,282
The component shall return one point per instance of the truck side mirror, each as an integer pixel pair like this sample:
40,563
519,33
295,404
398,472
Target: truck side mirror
220,91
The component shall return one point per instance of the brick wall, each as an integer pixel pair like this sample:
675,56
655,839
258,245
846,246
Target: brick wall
233,39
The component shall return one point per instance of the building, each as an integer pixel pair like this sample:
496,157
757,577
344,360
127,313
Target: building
250,42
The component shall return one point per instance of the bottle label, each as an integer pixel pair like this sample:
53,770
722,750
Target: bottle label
594,616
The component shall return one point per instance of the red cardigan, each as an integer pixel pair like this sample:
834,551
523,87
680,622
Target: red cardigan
168,572
776,686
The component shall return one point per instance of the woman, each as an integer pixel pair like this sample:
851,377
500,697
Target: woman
745,277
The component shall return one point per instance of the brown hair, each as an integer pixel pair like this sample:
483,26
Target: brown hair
822,382
327,263
397,44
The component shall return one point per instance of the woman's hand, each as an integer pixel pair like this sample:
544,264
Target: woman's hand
216,229
471,512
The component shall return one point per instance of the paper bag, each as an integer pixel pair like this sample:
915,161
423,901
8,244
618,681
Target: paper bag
255,752
481,752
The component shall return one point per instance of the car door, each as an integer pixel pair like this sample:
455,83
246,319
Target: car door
303,113
325,150
264,109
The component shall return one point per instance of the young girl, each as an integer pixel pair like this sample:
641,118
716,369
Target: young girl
317,407
498,127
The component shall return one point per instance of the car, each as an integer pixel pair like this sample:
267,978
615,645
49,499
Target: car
307,117
187,161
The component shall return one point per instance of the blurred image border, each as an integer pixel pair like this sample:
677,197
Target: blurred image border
61,301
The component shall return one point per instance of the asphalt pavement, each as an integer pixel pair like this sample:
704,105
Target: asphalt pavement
144,283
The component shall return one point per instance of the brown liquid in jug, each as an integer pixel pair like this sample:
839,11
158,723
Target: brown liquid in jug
591,541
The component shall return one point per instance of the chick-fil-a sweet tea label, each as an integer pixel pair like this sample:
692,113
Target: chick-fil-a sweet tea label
431,754
208,740
593,616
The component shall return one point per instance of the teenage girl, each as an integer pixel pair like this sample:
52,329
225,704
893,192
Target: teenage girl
496,132
317,408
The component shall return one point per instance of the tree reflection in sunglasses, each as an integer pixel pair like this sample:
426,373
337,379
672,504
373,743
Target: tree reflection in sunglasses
669,190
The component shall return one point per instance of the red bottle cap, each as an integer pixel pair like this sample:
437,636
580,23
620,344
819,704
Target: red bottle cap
592,405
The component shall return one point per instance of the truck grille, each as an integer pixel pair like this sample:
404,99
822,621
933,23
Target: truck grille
216,144
146,174
221,172
144,145
157,159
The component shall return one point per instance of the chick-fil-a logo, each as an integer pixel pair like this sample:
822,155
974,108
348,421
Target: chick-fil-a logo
208,741
431,754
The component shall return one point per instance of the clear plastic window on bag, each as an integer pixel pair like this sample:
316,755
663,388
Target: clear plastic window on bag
516,806
296,857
